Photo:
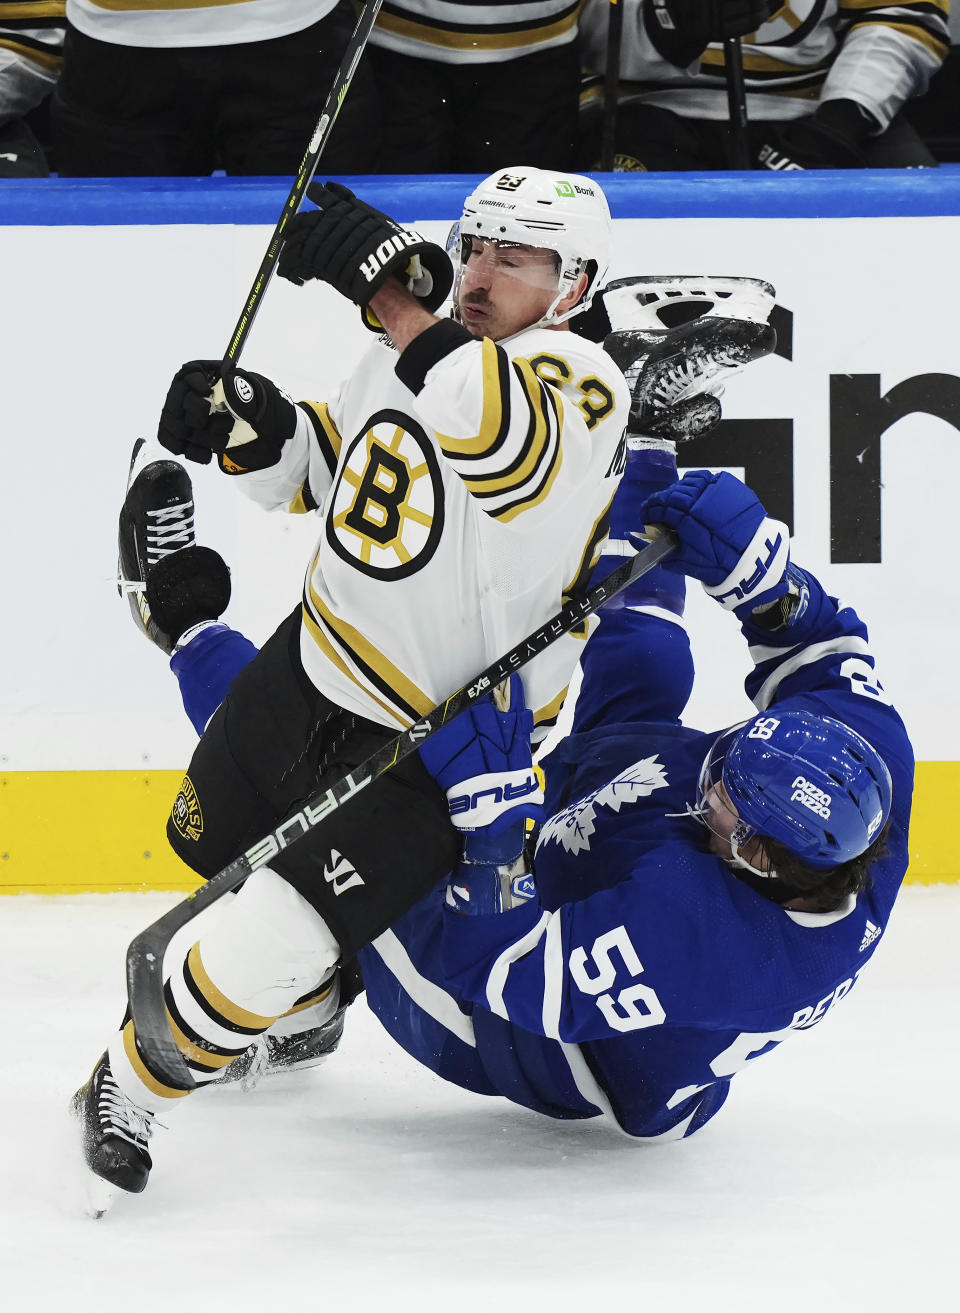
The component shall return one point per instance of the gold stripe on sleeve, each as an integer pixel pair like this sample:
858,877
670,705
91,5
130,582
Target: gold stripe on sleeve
519,474
764,64
479,39
528,503
127,6
326,430
915,33
32,9
942,5
51,61
496,406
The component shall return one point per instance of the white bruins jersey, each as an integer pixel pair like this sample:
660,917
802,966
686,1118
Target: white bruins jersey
878,54
470,32
162,24
458,513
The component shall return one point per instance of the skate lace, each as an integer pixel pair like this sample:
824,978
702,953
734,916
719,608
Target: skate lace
258,1066
675,380
169,528
122,1117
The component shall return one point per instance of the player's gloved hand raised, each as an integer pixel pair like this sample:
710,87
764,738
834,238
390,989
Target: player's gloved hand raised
484,762
243,419
681,29
833,137
727,540
356,248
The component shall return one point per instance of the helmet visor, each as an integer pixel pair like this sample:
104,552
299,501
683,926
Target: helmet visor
714,809
536,266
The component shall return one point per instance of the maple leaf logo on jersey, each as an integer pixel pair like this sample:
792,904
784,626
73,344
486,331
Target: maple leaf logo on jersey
573,827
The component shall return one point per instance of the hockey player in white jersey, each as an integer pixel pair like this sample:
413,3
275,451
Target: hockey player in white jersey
462,477
463,488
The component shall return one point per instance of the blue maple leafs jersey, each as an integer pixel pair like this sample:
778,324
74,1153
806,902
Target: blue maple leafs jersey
649,974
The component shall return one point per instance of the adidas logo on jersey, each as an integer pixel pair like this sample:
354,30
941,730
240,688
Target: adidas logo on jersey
870,935
339,873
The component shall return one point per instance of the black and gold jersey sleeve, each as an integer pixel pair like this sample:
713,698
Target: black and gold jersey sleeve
471,31
510,463
31,53
877,54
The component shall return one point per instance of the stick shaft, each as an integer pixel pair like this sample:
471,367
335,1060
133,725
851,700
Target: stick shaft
146,952
308,165
611,86
737,104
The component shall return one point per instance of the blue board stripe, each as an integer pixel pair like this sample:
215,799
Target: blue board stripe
836,194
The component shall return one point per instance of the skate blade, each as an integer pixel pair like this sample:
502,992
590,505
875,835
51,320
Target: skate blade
99,1195
94,1195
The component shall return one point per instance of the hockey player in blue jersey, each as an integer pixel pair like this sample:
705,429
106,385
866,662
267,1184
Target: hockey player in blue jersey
700,897
695,898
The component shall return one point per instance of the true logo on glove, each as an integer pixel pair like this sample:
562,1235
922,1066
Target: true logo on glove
749,584
465,802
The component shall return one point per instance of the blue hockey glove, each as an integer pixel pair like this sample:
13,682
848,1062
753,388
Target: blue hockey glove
727,540
484,762
494,875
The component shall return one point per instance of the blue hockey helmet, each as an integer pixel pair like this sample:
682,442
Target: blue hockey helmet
808,781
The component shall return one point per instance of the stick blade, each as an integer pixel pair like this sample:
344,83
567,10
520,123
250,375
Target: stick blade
148,1009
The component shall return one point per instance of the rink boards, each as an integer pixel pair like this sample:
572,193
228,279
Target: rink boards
849,433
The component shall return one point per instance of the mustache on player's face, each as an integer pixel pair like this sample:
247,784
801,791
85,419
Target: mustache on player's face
479,297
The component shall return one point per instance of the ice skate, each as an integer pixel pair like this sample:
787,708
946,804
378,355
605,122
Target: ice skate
170,582
114,1136
665,301
676,376
280,1055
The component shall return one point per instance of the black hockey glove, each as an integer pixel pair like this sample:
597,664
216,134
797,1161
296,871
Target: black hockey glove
681,29
356,248
243,420
833,137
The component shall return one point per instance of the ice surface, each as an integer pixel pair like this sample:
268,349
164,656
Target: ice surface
826,1183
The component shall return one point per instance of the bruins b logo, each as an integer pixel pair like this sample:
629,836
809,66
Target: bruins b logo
386,508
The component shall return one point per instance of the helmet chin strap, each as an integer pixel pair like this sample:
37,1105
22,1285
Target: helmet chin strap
551,317
741,864
583,304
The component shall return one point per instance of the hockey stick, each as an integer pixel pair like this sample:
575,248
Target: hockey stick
321,135
611,86
145,954
736,104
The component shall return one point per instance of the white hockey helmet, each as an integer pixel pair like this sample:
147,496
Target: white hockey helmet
561,212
